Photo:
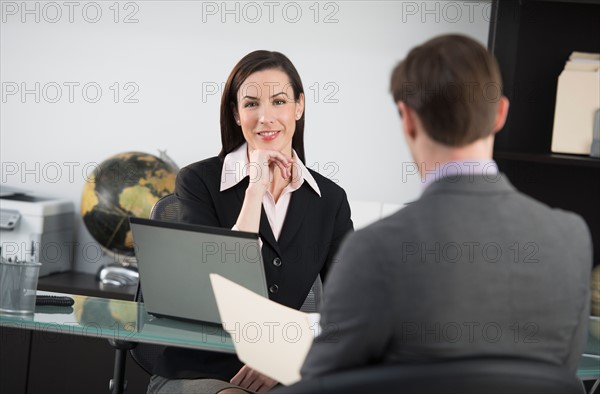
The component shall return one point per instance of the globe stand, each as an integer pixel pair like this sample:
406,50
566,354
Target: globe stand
123,272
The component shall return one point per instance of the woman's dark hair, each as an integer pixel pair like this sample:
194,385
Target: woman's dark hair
231,133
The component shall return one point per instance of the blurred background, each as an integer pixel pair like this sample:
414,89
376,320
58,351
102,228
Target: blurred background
83,81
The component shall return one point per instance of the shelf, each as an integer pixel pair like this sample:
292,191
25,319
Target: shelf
570,1
550,158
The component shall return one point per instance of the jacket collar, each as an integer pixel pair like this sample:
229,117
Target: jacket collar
497,183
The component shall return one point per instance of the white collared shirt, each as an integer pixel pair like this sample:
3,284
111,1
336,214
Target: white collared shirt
235,168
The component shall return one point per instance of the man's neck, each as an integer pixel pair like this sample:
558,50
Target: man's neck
437,154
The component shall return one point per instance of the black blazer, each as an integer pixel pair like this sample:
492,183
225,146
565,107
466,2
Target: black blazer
312,232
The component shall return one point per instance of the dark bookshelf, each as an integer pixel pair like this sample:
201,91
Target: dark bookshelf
532,40
550,158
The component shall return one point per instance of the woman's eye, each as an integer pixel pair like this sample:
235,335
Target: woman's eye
279,101
250,104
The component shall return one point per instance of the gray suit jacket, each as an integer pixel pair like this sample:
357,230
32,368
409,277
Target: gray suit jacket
473,268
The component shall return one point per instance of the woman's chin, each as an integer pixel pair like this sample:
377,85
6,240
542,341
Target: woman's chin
262,145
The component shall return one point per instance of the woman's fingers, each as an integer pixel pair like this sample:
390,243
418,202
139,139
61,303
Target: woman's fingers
248,379
239,377
284,168
253,380
265,158
284,163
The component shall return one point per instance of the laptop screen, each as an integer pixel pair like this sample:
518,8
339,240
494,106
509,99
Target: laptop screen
175,260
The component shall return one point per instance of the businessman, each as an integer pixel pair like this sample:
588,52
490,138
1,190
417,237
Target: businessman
473,267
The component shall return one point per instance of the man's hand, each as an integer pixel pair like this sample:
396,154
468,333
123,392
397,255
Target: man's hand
253,380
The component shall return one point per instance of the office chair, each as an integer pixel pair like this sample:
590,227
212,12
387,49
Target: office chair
462,376
146,355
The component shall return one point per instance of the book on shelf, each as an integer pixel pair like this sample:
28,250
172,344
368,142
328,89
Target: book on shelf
577,101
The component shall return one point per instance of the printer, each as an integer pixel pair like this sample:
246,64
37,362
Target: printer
36,229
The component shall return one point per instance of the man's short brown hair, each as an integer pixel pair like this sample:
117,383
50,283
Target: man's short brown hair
454,85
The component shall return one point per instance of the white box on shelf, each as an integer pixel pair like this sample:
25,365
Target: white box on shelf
577,100
38,229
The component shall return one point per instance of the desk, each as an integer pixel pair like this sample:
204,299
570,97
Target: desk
129,321
90,319
589,366
120,320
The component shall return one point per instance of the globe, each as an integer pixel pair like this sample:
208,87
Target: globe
124,185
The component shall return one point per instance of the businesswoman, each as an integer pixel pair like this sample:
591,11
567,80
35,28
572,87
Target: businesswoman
259,183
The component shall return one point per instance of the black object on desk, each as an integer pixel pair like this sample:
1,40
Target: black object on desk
54,300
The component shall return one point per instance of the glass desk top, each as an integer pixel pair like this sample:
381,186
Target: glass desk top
120,320
589,365
129,321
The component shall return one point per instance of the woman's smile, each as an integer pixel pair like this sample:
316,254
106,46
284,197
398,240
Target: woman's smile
268,135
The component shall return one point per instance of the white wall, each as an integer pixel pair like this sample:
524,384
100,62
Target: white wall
174,52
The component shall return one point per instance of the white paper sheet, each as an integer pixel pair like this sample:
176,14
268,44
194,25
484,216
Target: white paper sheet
269,337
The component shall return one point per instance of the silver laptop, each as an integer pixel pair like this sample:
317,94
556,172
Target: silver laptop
175,260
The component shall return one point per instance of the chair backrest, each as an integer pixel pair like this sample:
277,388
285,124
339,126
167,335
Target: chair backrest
313,300
465,376
167,209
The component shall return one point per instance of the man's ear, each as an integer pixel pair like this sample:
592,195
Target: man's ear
407,116
501,114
